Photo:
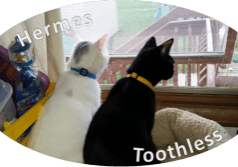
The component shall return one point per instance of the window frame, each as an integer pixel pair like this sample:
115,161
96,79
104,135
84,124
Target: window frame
224,59
220,108
192,58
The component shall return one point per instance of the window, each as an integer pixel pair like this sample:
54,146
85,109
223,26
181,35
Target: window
89,21
203,49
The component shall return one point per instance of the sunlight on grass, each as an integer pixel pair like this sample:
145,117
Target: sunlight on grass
133,17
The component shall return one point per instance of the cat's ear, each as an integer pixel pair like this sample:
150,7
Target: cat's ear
150,43
99,44
166,46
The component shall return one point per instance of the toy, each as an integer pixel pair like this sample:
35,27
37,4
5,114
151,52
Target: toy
29,90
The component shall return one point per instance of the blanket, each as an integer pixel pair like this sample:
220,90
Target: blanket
178,126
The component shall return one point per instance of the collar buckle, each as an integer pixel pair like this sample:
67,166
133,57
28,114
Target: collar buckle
83,72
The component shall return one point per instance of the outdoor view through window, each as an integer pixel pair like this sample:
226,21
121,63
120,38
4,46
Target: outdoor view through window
199,48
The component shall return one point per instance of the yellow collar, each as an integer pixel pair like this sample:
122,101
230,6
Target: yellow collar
141,79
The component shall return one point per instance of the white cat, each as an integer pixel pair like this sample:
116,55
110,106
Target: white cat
64,120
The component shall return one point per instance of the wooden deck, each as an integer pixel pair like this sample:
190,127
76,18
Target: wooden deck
163,28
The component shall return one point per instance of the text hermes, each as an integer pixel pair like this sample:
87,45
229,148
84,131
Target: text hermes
76,22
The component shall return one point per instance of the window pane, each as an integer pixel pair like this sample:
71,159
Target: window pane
133,17
89,22
199,40
193,32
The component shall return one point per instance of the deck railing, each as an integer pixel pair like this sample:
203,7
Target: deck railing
184,74
189,70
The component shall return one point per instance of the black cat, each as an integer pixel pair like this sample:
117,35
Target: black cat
125,120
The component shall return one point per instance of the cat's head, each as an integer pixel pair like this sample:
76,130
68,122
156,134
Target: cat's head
90,56
154,62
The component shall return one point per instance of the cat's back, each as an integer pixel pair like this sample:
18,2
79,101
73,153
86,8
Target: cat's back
129,88
65,117
74,98
128,100
121,124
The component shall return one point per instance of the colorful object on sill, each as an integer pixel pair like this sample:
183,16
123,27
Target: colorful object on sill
29,129
30,89
44,79
22,59
4,67
7,108
7,72
11,75
15,130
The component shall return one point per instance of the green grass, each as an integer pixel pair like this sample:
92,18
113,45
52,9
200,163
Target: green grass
130,4
118,75
133,17
180,68
105,81
170,81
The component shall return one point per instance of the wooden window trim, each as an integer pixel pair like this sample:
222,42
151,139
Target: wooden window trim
220,108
